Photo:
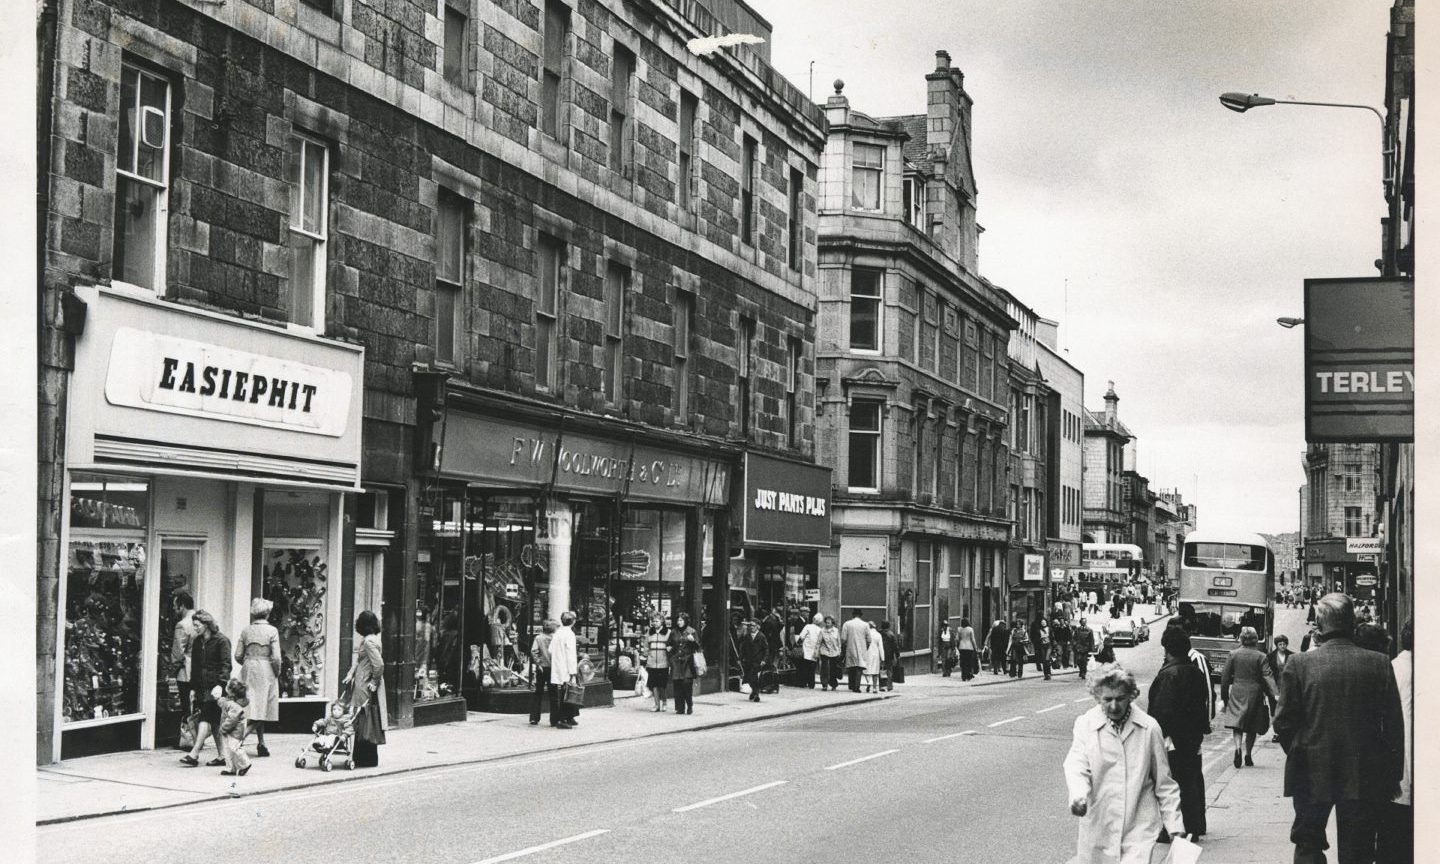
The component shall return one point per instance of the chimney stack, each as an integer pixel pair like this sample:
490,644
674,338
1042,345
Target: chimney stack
1112,402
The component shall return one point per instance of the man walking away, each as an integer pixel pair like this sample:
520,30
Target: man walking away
855,634
892,653
1342,727
754,650
1179,704
1084,641
540,670
1397,834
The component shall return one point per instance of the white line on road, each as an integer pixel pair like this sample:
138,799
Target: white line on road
1003,722
708,801
1078,701
861,759
1051,708
952,735
508,856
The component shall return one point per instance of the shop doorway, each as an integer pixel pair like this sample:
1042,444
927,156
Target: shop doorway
181,562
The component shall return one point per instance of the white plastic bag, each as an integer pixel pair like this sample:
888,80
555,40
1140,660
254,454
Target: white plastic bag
745,690
641,680
1182,851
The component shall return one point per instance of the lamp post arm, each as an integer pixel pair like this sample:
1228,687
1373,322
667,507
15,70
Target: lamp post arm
1372,109
1387,179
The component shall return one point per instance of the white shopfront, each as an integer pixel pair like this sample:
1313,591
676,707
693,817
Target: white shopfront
209,455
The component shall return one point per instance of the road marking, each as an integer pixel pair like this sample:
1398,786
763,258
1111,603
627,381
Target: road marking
508,856
1051,708
708,801
1003,722
952,735
861,759
1078,701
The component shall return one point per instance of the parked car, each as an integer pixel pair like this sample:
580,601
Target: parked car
1121,631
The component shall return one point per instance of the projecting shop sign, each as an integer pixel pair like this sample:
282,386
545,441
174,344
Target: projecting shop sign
1359,360
786,503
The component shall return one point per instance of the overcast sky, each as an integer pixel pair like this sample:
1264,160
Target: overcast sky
1103,157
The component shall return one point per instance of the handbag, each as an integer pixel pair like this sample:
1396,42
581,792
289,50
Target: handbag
187,731
572,694
898,675
697,660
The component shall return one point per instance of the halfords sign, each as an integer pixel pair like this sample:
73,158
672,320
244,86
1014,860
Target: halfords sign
786,503
1359,360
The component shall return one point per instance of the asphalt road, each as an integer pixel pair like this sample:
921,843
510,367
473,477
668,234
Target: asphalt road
946,770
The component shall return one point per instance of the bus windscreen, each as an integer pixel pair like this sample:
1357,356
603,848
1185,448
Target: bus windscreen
1225,556
1219,619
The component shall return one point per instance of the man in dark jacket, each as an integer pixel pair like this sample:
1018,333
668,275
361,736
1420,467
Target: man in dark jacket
1341,726
1178,702
1084,641
1062,634
999,645
754,650
891,646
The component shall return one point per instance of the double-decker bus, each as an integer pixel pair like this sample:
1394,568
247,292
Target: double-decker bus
1106,566
1227,581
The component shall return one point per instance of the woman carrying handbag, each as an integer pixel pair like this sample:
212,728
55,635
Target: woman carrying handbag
366,681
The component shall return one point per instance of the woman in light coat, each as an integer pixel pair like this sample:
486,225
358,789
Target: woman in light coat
367,682
1245,684
257,650
1118,776
874,659
809,650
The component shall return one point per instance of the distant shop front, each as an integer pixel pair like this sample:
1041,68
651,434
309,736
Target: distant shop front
527,515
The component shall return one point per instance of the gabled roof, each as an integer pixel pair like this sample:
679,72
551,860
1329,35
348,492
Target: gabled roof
1096,423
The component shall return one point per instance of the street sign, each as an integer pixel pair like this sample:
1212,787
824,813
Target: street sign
1366,559
1365,579
1359,360
812,595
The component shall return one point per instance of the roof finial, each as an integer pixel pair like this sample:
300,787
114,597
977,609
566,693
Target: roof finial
839,85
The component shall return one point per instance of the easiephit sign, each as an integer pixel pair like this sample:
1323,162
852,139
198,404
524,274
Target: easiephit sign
1359,360
786,503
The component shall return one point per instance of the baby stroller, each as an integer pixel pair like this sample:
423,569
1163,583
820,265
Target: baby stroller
334,737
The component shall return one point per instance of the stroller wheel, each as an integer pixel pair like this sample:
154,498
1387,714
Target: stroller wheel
325,764
349,764
299,761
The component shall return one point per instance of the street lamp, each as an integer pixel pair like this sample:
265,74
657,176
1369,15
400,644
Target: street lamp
1242,102
1287,323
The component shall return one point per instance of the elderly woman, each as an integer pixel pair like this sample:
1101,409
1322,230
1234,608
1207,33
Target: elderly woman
209,668
828,650
257,650
1245,684
367,695
657,660
1118,776
874,659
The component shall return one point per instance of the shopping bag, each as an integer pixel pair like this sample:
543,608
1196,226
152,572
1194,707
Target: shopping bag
573,694
898,676
745,689
187,732
641,679
1182,851
698,661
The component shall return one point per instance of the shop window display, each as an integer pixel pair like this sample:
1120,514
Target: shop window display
648,579
503,569
104,594
439,643
296,580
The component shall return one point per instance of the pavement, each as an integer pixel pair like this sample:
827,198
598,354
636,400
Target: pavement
1248,817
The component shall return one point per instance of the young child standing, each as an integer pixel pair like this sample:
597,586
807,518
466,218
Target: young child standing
232,727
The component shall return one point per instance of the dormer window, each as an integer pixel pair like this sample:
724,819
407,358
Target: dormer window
867,177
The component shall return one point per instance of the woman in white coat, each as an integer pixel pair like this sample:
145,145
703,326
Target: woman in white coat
1119,776
874,659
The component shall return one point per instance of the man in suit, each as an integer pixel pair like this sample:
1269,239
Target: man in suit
1179,702
1341,726
754,648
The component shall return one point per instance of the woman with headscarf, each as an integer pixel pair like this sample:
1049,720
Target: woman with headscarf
209,668
1245,683
683,643
367,693
1118,776
257,650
